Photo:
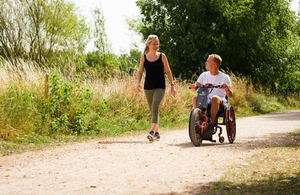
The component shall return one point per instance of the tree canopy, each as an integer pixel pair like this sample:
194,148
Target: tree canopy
257,38
40,29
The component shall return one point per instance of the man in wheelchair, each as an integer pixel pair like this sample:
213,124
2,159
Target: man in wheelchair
214,76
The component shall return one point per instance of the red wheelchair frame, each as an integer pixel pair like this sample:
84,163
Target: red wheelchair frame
200,119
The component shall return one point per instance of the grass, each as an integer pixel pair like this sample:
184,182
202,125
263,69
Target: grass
83,106
273,170
30,122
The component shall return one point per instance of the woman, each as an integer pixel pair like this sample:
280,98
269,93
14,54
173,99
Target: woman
155,63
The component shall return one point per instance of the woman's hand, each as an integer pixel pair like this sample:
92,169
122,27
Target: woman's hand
139,88
173,91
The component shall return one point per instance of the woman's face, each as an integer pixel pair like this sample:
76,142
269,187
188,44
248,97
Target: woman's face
154,45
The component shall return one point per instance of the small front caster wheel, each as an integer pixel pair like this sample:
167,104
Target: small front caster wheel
221,139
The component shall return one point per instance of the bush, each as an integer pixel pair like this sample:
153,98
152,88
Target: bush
67,107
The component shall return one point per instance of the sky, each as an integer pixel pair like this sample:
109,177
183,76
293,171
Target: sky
295,5
117,30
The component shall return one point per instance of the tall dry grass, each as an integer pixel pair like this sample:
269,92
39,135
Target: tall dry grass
27,72
252,100
116,103
129,107
116,107
242,89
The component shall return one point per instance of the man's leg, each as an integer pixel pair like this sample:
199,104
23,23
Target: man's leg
215,104
194,102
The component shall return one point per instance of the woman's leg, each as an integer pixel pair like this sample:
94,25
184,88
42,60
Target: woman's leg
154,127
149,98
158,95
154,98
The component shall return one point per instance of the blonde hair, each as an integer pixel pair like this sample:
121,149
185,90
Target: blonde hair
148,41
217,59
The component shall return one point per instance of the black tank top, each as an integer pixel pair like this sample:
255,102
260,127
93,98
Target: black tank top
155,77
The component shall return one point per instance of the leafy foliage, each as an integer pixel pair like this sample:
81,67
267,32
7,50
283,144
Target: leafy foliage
256,38
67,107
110,65
105,64
130,63
18,103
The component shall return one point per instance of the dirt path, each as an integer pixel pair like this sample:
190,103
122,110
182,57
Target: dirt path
133,165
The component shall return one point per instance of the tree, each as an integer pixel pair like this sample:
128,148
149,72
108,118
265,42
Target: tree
130,63
256,38
102,59
39,29
101,42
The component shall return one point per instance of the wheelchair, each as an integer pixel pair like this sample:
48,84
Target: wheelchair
200,119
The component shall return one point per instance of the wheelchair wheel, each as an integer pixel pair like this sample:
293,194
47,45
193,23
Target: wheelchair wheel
230,123
194,127
190,125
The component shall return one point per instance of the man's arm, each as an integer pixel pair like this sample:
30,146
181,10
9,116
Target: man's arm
228,90
193,86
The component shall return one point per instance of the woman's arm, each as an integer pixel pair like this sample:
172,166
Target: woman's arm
169,73
140,73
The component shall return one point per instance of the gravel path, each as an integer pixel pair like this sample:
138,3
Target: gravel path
133,165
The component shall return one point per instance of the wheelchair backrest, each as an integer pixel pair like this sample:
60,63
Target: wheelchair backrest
202,97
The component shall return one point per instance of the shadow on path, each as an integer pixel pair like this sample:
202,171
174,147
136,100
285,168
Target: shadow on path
125,142
275,140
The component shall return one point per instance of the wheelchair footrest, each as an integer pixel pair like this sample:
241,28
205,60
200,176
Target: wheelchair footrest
207,134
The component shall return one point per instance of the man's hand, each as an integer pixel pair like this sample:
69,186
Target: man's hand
227,89
224,86
193,87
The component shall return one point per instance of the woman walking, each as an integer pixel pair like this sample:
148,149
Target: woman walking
154,87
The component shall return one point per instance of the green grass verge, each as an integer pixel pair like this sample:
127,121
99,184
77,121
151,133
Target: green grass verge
274,170
73,112
36,142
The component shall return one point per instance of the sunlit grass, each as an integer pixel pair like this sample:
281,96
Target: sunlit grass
116,108
274,170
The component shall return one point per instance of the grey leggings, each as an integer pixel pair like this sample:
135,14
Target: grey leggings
154,97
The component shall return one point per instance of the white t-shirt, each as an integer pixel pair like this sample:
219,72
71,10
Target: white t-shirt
206,77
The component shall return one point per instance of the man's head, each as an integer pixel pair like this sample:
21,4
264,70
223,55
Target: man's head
216,59
213,63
